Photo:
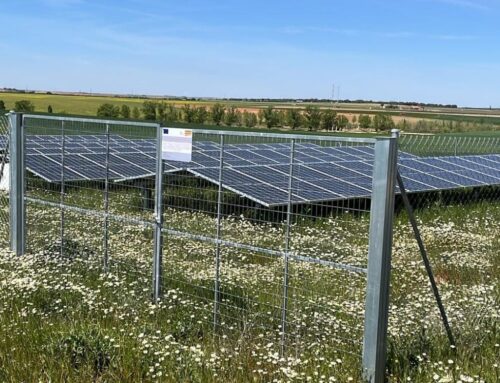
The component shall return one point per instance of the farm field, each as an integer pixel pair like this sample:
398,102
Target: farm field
67,321
86,105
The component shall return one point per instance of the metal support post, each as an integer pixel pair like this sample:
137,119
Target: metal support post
425,258
17,185
379,260
158,239
106,205
423,251
284,307
63,189
217,246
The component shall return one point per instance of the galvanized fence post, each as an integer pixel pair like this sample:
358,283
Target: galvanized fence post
106,205
63,188
158,238
284,307
17,185
379,260
218,233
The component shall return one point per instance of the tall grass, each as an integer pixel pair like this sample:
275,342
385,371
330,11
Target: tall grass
62,319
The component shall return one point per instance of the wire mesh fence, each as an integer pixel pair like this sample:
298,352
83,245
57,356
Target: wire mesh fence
4,181
75,206
472,163
266,239
261,248
288,278
458,224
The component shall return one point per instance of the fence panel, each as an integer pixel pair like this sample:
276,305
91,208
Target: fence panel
259,245
4,181
270,254
459,227
80,200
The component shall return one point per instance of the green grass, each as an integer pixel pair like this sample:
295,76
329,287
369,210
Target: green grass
66,320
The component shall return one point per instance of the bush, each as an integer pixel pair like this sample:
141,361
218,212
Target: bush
365,121
383,122
24,106
108,111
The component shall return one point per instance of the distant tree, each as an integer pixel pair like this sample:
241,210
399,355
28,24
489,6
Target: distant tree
294,118
49,109
354,119
149,110
161,110
108,111
125,111
200,115
24,106
2,105
217,112
364,121
171,114
383,122
188,113
341,122
328,118
270,117
136,113
249,119
239,118
231,117
312,117
261,118
281,116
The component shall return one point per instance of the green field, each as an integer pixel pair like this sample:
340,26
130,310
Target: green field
85,105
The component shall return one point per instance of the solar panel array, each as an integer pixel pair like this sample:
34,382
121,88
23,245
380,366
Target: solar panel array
257,171
450,172
352,179
85,157
3,142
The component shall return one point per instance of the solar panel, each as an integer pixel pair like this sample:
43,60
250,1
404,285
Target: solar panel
85,157
256,171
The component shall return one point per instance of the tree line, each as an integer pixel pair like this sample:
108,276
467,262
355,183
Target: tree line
310,118
24,106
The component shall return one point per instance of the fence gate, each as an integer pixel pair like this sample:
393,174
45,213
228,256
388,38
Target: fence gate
275,245
282,243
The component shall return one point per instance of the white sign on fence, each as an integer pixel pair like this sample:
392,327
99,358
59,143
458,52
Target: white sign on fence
5,178
177,144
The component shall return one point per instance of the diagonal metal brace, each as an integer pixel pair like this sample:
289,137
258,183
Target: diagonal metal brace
425,258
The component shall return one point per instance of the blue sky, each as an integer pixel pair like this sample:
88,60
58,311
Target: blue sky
445,51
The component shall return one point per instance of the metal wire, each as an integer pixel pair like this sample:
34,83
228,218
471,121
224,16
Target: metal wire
272,249
4,181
